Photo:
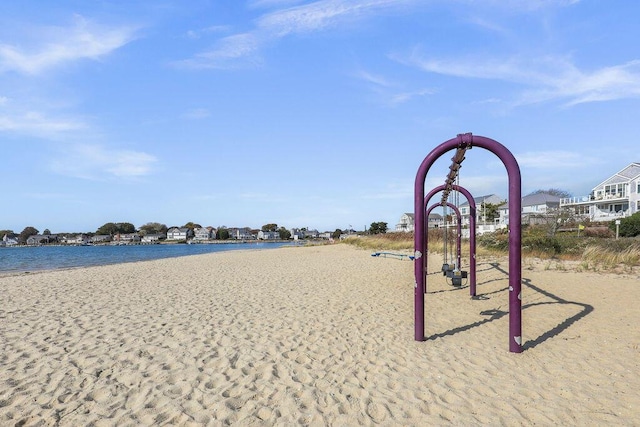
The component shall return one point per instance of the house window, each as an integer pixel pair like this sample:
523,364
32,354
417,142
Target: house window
615,190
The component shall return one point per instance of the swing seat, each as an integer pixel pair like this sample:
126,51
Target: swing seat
446,269
457,276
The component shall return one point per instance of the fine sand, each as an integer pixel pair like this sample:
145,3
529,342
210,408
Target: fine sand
314,336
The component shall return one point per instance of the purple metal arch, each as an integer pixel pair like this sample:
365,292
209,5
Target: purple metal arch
472,233
515,231
458,229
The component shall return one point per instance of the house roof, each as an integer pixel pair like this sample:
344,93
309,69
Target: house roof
630,172
489,198
540,199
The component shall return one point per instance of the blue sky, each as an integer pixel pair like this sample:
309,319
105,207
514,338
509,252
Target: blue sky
302,113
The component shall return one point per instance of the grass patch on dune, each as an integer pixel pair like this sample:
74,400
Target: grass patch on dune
593,253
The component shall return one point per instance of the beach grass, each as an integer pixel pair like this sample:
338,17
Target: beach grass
593,253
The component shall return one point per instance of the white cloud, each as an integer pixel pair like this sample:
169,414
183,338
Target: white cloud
234,51
38,124
241,49
555,160
59,45
90,161
322,15
401,98
542,78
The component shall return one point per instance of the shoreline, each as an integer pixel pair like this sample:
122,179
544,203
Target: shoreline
320,335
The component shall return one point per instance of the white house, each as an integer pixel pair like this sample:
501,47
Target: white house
178,233
203,233
268,235
536,208
9,240
152,238
407,222
616,197
243,233
75,239
465,209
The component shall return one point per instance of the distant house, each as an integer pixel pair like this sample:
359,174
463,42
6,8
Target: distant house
435,220
616,197
100,238
153,238
9,240
536,208
75,239
179,233
42,239
268,235
302,233
202,233
465,208
243,233
406,223
126,238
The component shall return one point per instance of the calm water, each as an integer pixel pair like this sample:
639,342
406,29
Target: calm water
21,259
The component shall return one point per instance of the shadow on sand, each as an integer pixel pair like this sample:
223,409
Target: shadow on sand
495,314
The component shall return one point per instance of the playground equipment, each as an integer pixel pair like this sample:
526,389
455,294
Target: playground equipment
452,270
461,144
392,255
472,234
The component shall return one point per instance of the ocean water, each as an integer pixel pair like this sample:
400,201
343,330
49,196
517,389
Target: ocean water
38,258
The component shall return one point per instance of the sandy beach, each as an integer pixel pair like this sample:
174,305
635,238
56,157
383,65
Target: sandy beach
314,336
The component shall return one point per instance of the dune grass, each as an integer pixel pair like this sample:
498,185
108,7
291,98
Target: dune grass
592,253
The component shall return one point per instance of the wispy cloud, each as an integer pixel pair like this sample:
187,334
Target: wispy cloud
202,32
38,124
255,4
389,89
242,49
55,46
197,114
96,162
322,15
542,78
555,160
401,98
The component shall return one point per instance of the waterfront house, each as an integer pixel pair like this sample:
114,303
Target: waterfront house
303,233
42,239
9,240
179,233
100,238
616,197
268,235
124,238
203,233
75,239
153,238
243,233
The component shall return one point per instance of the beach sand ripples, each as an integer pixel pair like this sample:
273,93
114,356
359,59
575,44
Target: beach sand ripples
312,336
